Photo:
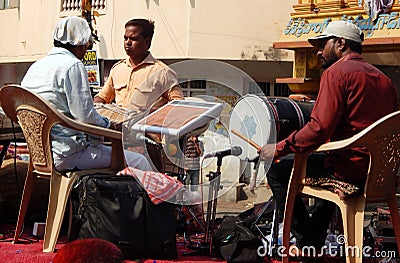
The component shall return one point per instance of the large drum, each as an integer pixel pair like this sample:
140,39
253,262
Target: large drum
264,120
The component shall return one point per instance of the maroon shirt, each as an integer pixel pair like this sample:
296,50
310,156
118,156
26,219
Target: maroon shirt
353,94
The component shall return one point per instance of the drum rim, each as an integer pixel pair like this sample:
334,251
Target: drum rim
267,102
263,99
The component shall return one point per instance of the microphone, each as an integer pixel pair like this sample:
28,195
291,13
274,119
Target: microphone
141,137
235,151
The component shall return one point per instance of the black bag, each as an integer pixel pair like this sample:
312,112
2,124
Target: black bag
118,209
235,242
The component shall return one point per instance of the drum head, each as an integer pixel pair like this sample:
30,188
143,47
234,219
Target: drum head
253,119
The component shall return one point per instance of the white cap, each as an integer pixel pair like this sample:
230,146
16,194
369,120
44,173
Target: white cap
73,30
340,28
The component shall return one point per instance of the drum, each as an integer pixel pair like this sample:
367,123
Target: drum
264,120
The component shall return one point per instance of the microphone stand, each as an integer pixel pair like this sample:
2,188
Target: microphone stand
214,178
254,173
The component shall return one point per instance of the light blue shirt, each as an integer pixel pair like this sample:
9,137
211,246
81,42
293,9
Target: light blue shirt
61,79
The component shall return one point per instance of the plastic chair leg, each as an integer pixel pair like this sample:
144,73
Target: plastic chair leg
394,213
60,188
359,234
25,200
286,226
353,218
348,228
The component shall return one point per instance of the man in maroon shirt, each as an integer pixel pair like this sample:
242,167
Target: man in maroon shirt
352,95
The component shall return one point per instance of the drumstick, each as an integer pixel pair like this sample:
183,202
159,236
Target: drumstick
252,143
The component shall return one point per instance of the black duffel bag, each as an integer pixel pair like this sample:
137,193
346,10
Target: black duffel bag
235,242
118,209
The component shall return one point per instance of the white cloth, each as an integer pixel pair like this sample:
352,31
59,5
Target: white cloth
98,156
73,30
374,8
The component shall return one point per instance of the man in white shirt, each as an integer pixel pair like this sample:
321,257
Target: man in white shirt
61,79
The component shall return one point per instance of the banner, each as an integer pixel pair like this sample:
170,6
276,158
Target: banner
92,68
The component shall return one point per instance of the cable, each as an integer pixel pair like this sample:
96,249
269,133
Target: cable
201,187
170,32
112,29
15,158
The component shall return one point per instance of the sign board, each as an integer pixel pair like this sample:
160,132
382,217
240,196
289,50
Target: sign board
386,25
91,63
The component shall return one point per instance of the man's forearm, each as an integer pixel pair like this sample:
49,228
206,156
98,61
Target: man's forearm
98,100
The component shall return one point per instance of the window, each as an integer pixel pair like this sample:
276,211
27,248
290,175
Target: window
263,86
5,4
198,84
192,88
281,89
72,5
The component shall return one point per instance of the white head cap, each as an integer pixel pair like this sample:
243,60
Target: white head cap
340,28
73,30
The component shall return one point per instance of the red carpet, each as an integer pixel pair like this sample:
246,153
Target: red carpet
29,250
32,253
23,253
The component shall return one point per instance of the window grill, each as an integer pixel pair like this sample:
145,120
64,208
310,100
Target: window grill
75,5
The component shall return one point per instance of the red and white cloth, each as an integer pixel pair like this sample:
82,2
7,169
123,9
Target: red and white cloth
374,8
160,187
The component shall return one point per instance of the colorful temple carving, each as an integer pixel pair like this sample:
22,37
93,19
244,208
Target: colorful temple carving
381,29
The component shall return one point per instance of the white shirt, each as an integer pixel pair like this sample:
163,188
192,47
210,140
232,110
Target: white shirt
61,79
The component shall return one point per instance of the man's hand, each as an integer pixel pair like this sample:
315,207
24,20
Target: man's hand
267,152
116,126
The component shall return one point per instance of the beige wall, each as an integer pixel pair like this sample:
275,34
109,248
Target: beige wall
184,28
26,31
171,27
236,29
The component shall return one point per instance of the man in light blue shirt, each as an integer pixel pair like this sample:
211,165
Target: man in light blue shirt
61,79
